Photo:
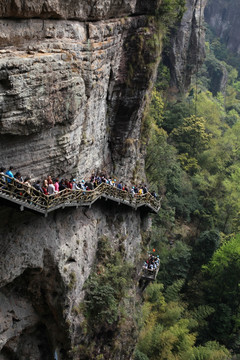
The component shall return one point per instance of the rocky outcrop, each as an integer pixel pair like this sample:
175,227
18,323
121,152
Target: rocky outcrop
76,9
223,18
44,264
67,93
218,76
187,49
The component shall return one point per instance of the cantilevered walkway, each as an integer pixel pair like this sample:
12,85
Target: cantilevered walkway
28,197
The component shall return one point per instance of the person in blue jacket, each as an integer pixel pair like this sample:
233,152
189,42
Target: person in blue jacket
10,174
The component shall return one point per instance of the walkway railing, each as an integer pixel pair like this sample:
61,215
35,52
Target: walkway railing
149,274
28,197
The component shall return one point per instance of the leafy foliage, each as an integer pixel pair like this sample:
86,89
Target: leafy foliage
224,272
223,292
106,286
156,107
172,291
191,137
138,355
193,161
171,11
211,351
201,313
175,113
175,262
204,248
166,331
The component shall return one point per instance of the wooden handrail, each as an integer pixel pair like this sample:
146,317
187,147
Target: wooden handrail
27,196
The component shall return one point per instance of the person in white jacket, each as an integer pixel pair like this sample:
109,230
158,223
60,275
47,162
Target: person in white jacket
75,187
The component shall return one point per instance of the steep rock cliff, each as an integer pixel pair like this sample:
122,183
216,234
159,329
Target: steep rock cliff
187,49
58,80
75,9
224,19
44,264
69,100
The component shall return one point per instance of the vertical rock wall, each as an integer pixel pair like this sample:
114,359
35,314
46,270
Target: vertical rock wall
187,48
73,80
224,19
67,91
44,264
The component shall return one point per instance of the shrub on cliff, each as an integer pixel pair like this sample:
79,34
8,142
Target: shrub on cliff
106,286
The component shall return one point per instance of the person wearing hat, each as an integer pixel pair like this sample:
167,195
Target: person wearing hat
74,186
132,192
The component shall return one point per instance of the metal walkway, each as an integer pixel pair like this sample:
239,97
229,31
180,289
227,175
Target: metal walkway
149,274
28,197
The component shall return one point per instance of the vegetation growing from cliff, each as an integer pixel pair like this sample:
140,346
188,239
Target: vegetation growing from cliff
105,307
107,286
148,44
193,161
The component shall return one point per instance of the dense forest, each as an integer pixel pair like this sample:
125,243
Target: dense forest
192,311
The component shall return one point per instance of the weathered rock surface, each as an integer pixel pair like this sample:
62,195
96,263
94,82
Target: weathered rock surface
52,259
65,96
224,19
187,49
71,95
76,9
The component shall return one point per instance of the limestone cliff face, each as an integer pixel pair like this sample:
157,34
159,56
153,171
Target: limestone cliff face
75,9
224,18
65,92
44,264
73,80
187,48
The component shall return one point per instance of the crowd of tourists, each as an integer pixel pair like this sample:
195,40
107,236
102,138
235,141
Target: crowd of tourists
51,185
152,263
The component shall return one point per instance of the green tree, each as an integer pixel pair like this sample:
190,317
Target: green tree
156,107
210,351
222,288
212,110
204,248
166,175
175,262
175,113
106,286
167,334
191,137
